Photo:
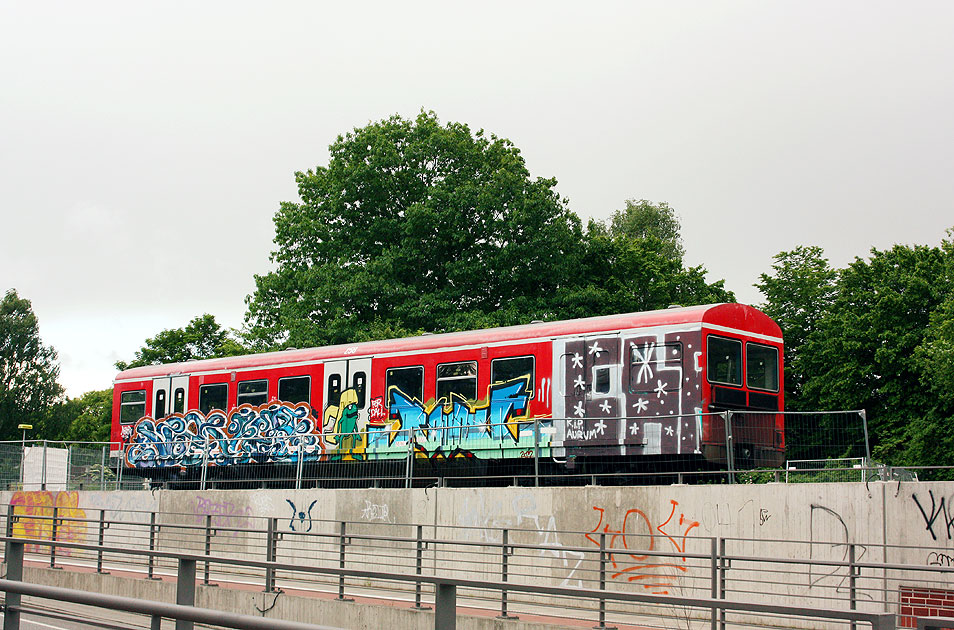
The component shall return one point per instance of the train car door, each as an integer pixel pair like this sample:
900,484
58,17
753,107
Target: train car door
170,395
347,389
592,392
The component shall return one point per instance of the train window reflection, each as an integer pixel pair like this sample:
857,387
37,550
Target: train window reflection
213,397
294,389
132,406
503,370
724,361
253,393
457,378
407,380
761,367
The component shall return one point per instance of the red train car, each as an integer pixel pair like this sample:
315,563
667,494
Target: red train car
619,389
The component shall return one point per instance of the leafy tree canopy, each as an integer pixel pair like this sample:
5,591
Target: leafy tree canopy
414,225
201,338
419,226
28,369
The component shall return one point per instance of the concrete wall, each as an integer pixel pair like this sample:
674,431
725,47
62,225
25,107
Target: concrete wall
808,521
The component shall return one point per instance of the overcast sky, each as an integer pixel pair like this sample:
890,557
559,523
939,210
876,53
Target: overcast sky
145,146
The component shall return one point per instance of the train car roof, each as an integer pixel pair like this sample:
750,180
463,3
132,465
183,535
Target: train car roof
729,316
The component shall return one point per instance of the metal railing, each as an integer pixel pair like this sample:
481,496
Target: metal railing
494,565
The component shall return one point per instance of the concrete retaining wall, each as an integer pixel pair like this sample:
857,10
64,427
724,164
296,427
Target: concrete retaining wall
814,521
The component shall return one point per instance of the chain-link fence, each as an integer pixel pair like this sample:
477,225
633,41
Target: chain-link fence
729,447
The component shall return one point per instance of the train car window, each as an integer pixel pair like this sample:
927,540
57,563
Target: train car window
294,389
159,411
359,382
503,370
253,393
457,378
334,389
132,406
601,380
407,380
724,361
213,397
761,367
178,401
646,358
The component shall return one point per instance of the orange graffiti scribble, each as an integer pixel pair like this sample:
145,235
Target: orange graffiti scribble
643,571
33,514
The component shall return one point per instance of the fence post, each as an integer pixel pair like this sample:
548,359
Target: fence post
14,561
53,534
729,447
301,463
723,567
852,583
152,546
445,602
205,462
342,541
43,472
102,539
602,623
504,565
419,568
102,470
410,459
185,590
69,466
536,451
119,467
208,547
714,579
270,549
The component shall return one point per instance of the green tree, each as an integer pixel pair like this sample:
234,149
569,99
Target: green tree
92,418
644,219
201,338
28,369
798,293
862,352
414,225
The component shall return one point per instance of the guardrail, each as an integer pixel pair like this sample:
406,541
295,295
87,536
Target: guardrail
445,613
503,562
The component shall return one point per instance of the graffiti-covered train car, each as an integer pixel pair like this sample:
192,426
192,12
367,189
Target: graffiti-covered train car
617,389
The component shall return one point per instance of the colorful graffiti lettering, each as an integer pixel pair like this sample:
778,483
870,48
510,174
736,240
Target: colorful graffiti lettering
33,514
458,419
269,433
655,573
224,514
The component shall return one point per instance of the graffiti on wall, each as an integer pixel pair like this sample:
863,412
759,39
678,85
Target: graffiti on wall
658,574
822,520
33,514
301,521
224,514
939,518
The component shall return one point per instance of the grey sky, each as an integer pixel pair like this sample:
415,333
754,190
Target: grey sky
144,147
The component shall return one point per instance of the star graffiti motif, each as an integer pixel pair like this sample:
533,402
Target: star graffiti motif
669,430
578,409
606,407
641,405
577,360
579,382
642,358
660,389
634,429
595,349
600,426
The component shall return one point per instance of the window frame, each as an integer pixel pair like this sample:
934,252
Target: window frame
124,404
533,370
774,366
239,395
438,379
202,395
307,378
741,355
388,385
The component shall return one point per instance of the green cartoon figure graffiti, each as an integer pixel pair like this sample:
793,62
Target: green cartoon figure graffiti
342,428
